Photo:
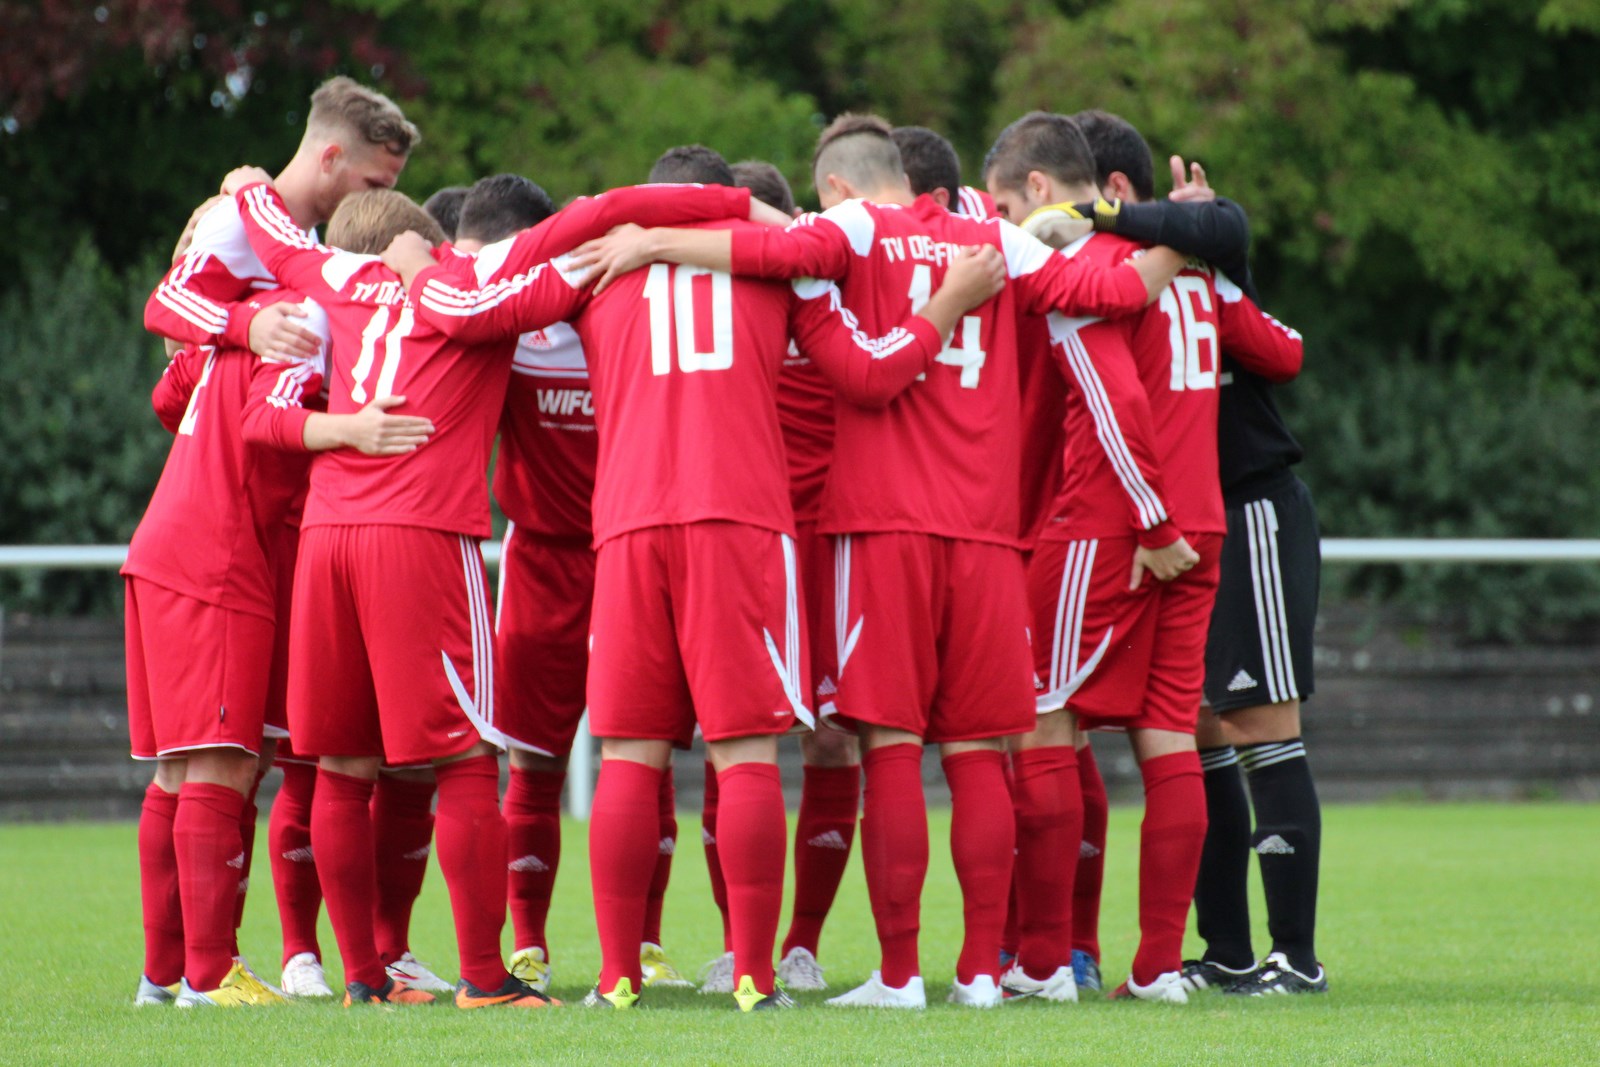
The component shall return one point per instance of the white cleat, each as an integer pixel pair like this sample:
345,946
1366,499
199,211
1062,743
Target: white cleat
303,977
1166,989
532,966
982,992
717,976
874,994
1060,987
150,994
412,972
799,970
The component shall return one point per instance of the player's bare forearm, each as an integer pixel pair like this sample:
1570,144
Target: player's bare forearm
975,276
627,248
371,431
1157,267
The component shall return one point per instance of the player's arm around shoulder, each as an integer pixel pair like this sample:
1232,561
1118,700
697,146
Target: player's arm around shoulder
498,294
1259,342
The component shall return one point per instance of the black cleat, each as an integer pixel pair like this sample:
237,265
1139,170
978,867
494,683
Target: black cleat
1207,974
1275,977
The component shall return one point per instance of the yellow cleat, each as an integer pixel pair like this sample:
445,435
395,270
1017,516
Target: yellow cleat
532,966
752,999
240,988
659,971
621,997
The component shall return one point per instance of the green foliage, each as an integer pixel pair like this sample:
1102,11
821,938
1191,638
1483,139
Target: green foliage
80,450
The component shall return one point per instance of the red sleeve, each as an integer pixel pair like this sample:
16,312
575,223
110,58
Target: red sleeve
1083,284
275,413
451,299
292,257
170,397
1256,340
1100,366
868,371
813,247
646,205
199,302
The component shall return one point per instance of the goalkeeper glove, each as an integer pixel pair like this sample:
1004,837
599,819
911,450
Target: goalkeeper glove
1058,225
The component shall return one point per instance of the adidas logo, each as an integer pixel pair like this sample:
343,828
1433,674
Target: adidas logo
244,886
300,855
418,854
1087,851
528,865
1274,846
830,839
706,837
237,863
1242,681
1038,683
826,688
668,846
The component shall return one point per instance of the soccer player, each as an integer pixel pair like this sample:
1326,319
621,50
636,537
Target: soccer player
921,500
934,168
1258,652
696,613
1141,495
445,208
355,138
372,678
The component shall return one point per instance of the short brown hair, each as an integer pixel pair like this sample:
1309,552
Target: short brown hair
367,221
343,106
859,148
766,183
1041,141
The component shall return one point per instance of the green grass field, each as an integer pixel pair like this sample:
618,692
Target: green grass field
1452,934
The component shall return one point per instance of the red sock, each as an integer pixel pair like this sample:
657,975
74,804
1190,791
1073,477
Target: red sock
830,799
894,848
754,839
1170,841
622,851
1010,937
294,874
472,857
532,809
1049,827
247,839
1091,857
402,837
205,836
666,845
158,888
983,842
341,836
708,835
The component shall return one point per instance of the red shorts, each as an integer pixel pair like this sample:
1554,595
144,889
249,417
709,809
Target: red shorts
937,631
280,558
391,653
1120,658
697,623
815,553
541,640
197,673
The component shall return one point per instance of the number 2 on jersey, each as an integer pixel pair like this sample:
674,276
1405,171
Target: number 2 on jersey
1186,330
968,355
669,291
377,331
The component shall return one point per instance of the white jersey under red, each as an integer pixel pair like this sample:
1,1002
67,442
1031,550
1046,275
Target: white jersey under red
202,299
1141,421
544,474
221,491
383,346
943,457
974,203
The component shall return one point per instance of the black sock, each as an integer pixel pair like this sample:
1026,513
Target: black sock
1288,839
1221,904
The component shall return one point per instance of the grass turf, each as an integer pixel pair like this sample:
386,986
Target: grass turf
1452,935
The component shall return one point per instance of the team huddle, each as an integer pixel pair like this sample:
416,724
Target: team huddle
934,466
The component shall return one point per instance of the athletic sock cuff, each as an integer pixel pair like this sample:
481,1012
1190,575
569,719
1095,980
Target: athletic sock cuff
531,792
888,754
1215,759
160,801
1162,769
484,766
973,759
833,781
1257,757
768,771
1051,757
219,798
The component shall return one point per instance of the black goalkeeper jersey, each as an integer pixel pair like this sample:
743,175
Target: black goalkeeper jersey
1254,448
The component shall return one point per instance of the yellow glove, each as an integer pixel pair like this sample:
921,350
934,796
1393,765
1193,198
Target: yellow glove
1058,225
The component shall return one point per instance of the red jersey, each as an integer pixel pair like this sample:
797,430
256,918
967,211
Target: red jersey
384,346
943,458
1141,418
221,491
974,203
544,477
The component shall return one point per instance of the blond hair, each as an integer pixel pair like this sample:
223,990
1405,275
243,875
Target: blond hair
367,221
343,109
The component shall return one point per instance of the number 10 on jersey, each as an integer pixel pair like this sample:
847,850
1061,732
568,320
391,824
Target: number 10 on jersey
670,292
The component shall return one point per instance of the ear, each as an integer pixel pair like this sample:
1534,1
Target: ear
941,196
329,157
1038,187
1120,188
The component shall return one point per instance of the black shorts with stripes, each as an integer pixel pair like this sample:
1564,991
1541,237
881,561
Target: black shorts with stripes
1258,650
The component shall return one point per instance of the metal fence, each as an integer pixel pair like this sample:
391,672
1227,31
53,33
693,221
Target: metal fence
580,778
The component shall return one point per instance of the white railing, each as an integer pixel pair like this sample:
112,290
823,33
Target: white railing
580,772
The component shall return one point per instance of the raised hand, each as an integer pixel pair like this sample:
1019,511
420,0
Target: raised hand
240,177
1191,187
277,336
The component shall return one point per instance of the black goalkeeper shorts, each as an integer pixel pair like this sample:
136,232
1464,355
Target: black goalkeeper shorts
1258,650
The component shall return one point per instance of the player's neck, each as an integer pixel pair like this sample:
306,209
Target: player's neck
891,194
1083,193
297,184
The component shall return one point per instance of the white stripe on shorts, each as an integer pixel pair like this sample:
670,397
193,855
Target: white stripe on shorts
1266,580
479,705
1067,675
788,663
